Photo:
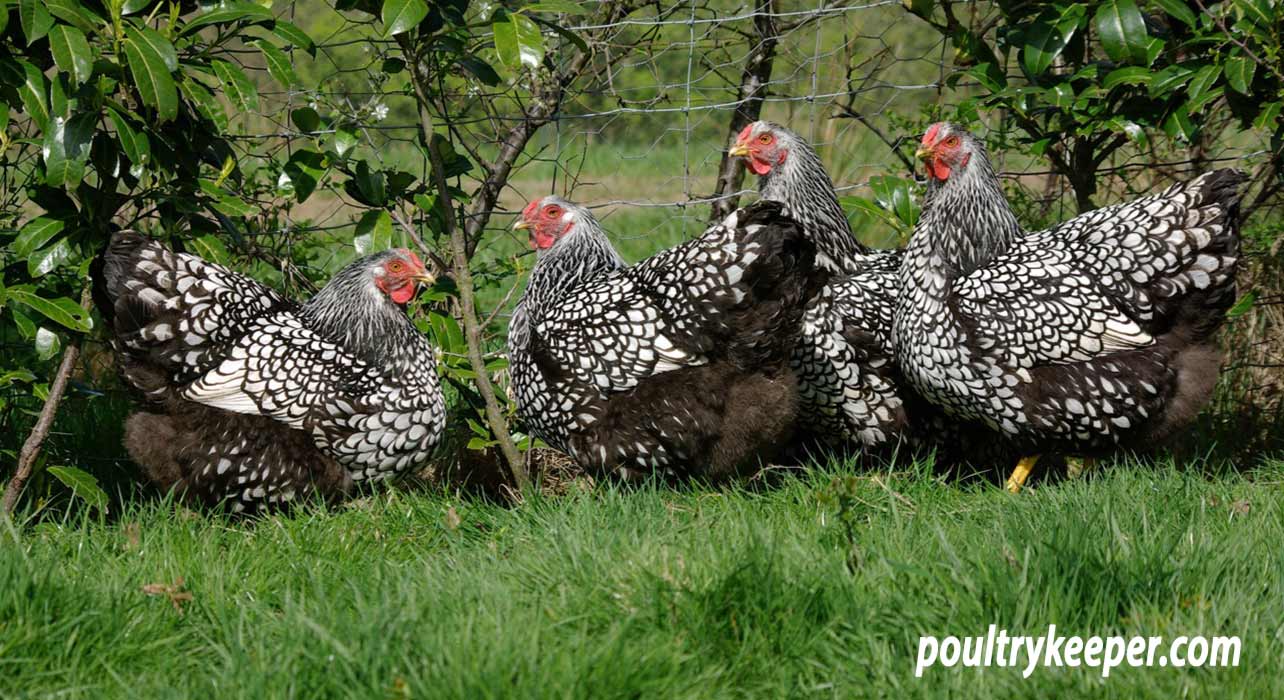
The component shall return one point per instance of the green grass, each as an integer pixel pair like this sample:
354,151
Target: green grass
651,592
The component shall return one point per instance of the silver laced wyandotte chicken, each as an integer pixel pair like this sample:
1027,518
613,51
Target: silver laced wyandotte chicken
1090,336
256,400
678,365
848,380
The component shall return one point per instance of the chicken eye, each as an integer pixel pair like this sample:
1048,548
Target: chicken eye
764,139
396,266
952,141
553,212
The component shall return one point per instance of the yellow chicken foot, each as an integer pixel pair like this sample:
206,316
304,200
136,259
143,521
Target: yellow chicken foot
1021,473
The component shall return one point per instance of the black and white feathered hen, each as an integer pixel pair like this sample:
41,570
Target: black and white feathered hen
678,364
255,399
848,380
1094,334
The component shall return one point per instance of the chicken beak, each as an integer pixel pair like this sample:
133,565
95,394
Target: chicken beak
426,278
521,225
923,153
738,151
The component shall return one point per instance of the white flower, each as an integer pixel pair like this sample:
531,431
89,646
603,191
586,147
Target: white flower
380,112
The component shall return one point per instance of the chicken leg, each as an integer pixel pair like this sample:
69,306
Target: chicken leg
1021,473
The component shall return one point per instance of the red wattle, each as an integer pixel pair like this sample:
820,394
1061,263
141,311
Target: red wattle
759,166
403,294
938,170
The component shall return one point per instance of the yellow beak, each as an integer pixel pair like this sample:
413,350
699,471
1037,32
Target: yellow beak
427,278
738,151
521,225
923,153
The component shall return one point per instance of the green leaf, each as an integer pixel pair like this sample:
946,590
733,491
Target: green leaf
1060,96
1239,73
306,119
228,13
1243,305
25,325
46,260
237,86
518,42
35,18
135,144
35,235
561,7
73,13
1169,79
895,195
293,36
151,75
1202,82
371,184
32,92
278,64
305,169
47,343
1179,10
71,52
402,15
1179,126
205,102
4,15
16,375
210,248
376,227
1133,75
1122,31
83,484
1047,37
63,311
66,149
345,139
159,45
1265,118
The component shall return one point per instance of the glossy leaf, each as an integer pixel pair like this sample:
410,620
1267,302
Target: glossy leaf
1179,10
1239,73
306,119
71,52
75,14
305,169
158,44
278,64
32,92
227,13
1122,31
1047,37
375,230
63,311
401,16
35,19
47,343
46,260
210,248
1202,82
152,76
36,234
236,85
205,102
135,144
293,36
518,42
1131,75
66,149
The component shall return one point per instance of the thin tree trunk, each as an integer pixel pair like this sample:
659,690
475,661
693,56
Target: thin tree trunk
753,89
31,448
463,276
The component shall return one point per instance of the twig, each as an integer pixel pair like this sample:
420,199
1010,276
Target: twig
31,448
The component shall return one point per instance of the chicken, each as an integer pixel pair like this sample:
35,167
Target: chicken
677,365
1090,336
849,385
257,400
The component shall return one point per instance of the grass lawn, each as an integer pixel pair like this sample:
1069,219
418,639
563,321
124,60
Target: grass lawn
651,592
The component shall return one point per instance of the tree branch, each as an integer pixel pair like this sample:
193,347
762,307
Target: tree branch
31,448
749,98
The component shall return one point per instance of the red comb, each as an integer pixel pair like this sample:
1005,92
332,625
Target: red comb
744,133
930,137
